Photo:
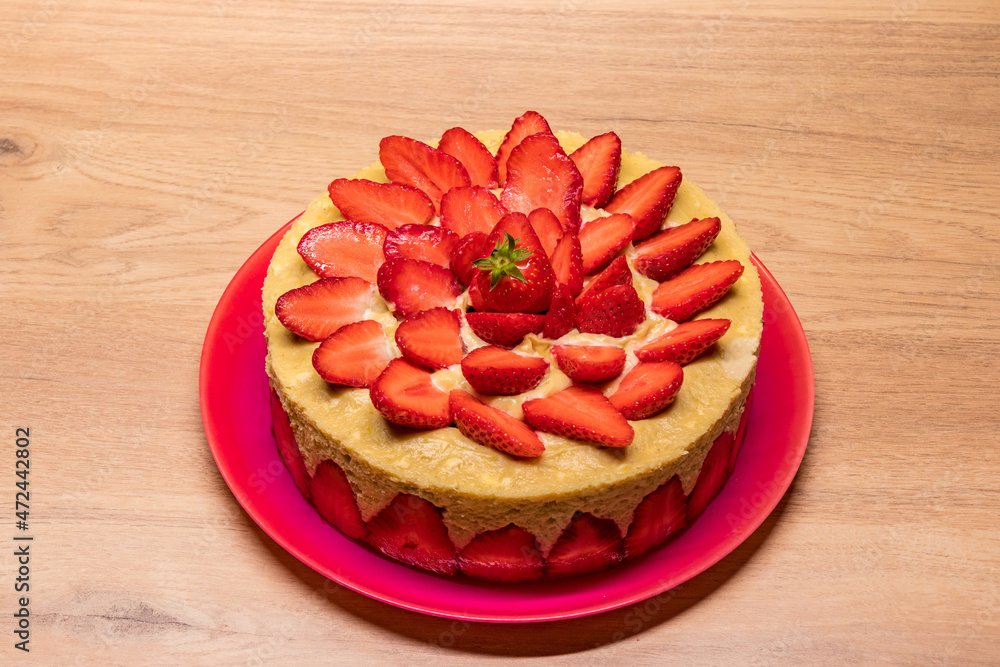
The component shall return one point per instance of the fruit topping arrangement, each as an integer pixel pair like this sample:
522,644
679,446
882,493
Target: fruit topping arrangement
505,269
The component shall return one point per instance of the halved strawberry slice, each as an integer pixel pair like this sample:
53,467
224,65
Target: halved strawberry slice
617,311
509,554
414,163
580,413
345,248
588,544
672,250
598,161
469,249
410,285
470,209
660,516
589,363
498,372
405,395
616,273
712,477
316,310
685,343
541,175
741,432
647,199
492,427
354,355
288,449
426,243
648,389
431,338
334,498
410,530
561,317
695,289
602,238
547,227
386,204
474,156
524,126
567,263
504,329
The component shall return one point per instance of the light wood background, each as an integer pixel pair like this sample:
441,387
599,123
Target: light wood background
146,149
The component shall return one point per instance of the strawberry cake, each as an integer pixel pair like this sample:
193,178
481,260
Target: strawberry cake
513,355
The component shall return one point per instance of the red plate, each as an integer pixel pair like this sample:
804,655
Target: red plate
237,416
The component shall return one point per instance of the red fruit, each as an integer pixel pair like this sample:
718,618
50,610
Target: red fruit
589,363
602,238
431,338
410,530
598,161
561,317
647,199
712,477
469,249
580,413
492,427
617,311
470,209
588,544
354,355
547,227
741,432
524,126
316,310
685,343
510,554
414,163
541,175
616,273
499,372
516,276
504,329
405,395
672,250
386,204
345,248
567,263
426,243
474,156
647,389
288,449
695,289
660,516
476,299
410,285
334,498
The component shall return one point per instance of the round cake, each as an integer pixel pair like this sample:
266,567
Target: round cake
515,355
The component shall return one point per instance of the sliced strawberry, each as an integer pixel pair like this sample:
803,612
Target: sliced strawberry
589,363
469,249
741,432
647,199
672,250
509,554
567,263
492,427
431,338
345,248
411,530
499,372
516,276
602,238
386,204
547,227
476,299
660,516
471,209
504,329
598,161
712,476
405,395
580,413
588,544
288,449
334,498
561,317
695,289
648,389
414,163
316,310
474,156
354,355
524,126
617,311
685,343
426,243
541,175
616,273
411,285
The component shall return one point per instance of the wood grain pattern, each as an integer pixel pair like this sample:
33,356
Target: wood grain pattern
146,149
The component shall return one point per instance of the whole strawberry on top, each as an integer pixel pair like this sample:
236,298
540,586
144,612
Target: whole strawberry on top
516,276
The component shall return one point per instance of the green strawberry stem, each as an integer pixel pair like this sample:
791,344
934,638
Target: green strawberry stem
503,260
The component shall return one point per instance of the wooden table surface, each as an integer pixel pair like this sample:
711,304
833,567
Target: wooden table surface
146,149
